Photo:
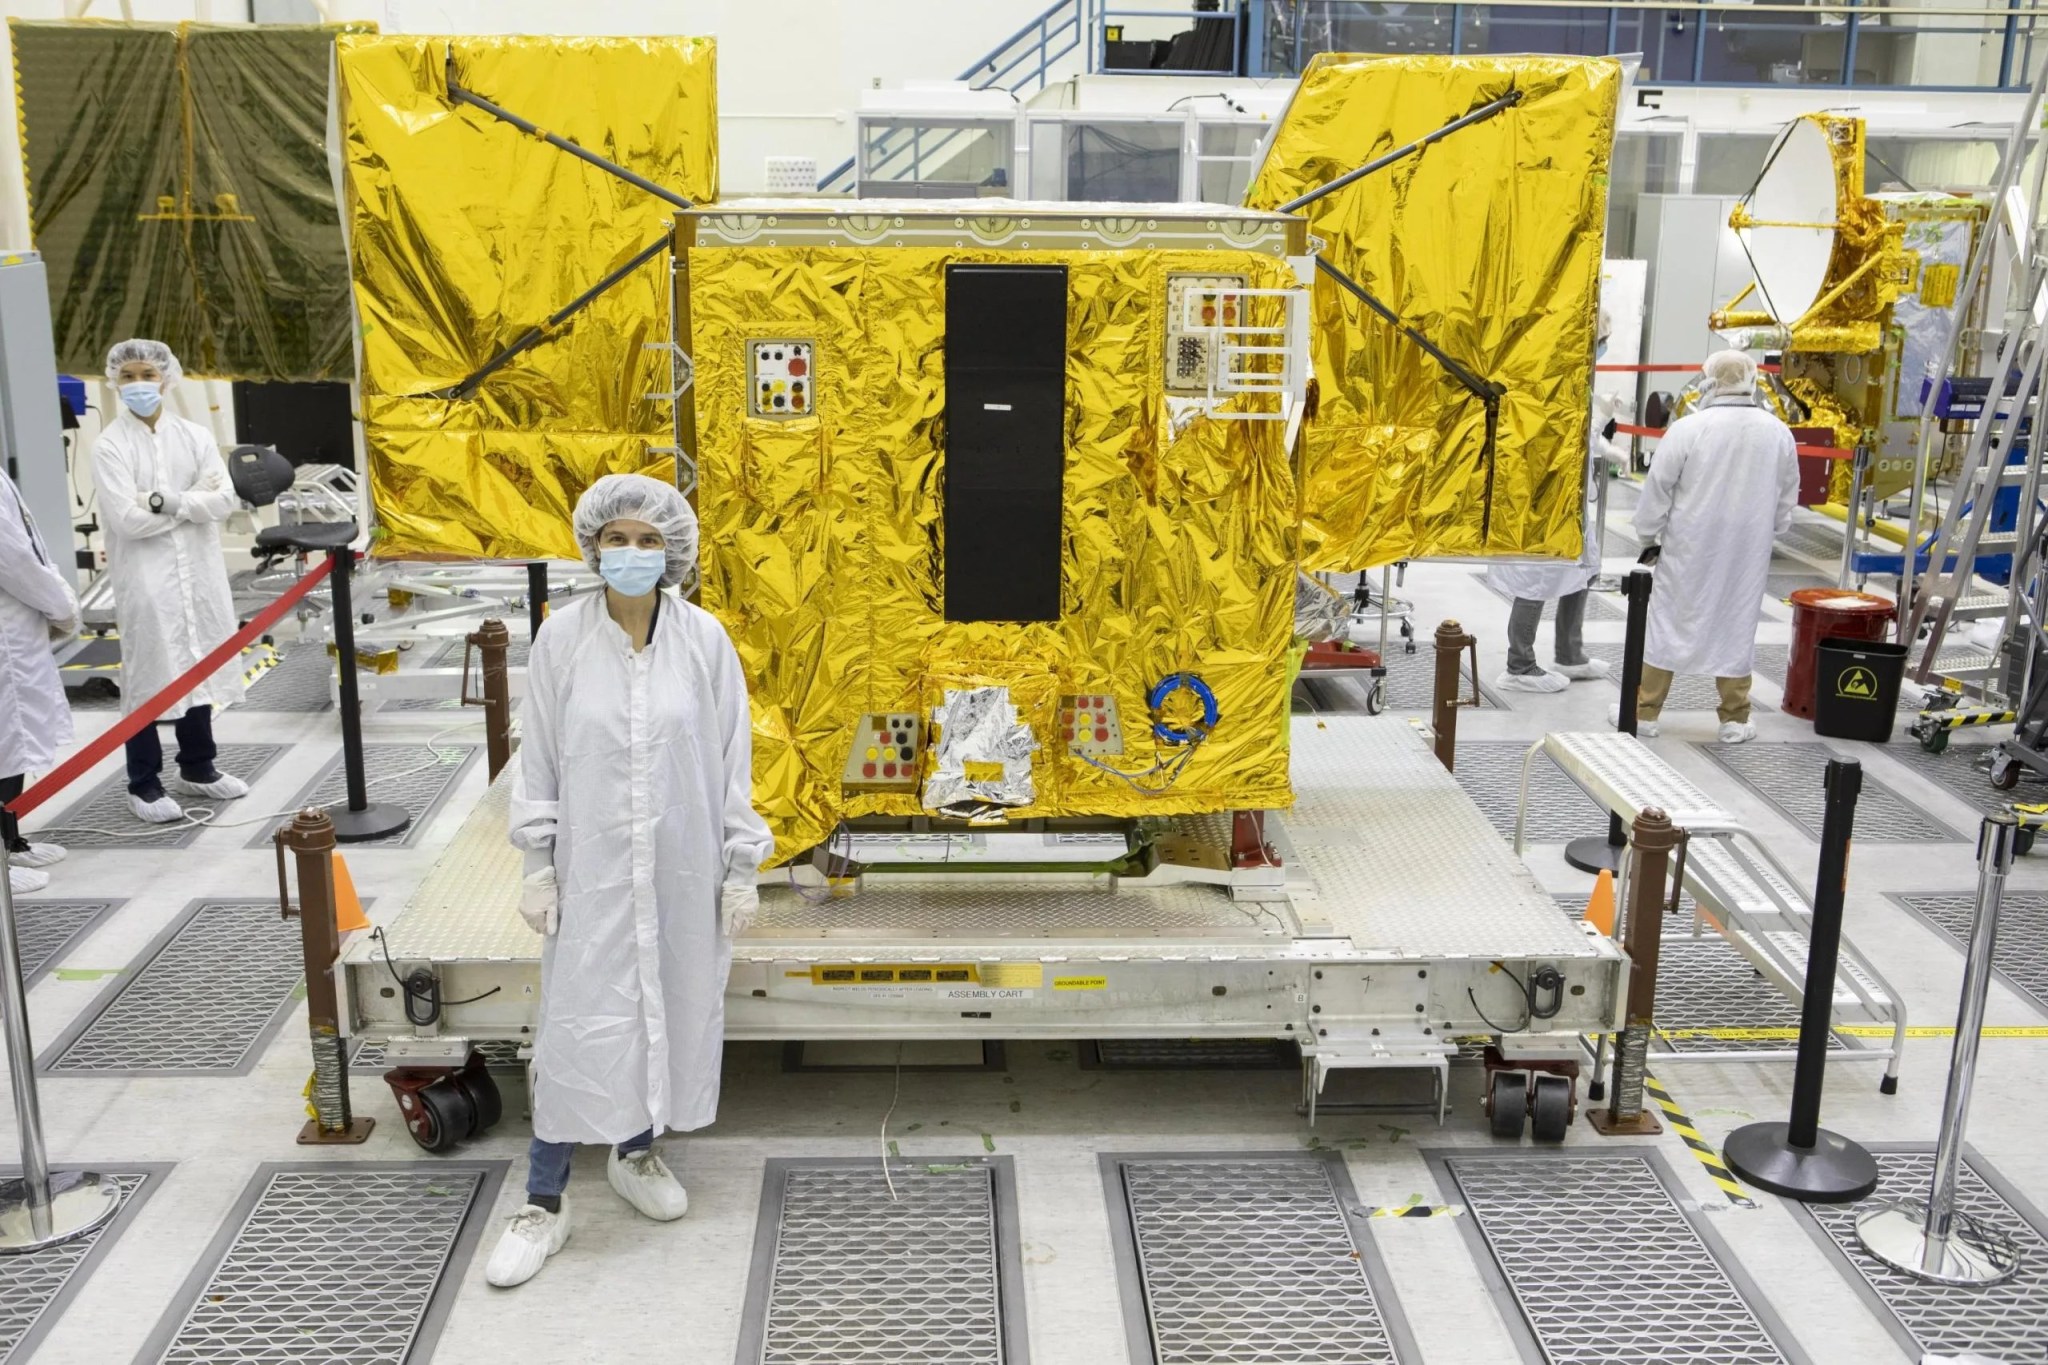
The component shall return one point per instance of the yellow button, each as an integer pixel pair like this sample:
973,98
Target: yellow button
873,752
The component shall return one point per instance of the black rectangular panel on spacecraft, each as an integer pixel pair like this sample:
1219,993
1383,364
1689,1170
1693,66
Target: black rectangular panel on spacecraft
1006,385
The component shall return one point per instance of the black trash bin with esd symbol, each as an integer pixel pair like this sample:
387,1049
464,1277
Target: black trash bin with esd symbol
1856,689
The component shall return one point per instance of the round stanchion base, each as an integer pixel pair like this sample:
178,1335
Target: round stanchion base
1594,854
81,1202
377,820
1971,1256
1832,1171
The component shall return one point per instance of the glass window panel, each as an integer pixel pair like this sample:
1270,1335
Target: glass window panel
1923,163
935,157
1526,28
1224,182
1109,161
1729,163
1644,163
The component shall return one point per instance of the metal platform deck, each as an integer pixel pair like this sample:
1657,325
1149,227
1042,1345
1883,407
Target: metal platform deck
1400,905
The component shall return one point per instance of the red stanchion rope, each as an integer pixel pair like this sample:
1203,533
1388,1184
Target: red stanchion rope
131,724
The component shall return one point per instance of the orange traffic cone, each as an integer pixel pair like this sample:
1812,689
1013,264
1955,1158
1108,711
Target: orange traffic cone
348,907
1600,909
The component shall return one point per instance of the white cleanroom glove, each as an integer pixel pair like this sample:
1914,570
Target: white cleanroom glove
538,904
738,903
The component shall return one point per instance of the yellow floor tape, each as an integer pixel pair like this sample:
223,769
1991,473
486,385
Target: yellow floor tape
1855,1031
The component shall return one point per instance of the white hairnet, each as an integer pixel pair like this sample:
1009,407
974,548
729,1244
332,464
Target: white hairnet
141,348
640,498
1731,372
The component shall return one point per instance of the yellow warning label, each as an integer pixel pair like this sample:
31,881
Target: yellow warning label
1024,976
1857,683
1938,285
1080,983
982,772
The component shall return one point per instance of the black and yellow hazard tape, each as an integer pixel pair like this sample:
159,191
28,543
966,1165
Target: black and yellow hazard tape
1709,1157
1417,1209
257,660
1958,720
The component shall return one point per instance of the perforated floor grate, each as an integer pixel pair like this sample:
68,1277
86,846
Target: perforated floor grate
1782,585
48,929
1191,1054
35,1288
1605,1262
417,777
1600,606
1964,771
352,1262
2021,953
1490,771
500,1054
102,819
1823,542
92,699
300,683
844,1271
1689,691
202,1000
2005,1322
1789,776
1248,1257
449,655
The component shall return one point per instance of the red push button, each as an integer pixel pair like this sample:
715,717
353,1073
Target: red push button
867,770
888,770
1102,736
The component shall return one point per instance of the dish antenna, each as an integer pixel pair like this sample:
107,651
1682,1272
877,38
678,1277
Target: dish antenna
1786,223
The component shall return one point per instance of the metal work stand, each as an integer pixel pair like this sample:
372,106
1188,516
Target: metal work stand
1931,1239
359,819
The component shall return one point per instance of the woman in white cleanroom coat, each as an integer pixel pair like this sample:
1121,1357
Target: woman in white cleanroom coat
1563,582
634,802
163,493
37,606
1720,491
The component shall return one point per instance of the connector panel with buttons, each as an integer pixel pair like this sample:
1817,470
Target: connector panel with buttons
886,753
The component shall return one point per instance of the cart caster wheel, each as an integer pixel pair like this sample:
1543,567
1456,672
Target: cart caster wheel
2005,773
1934,743
439,1116
2022,842
481,1091
1553,1109
1376,699
1508,1103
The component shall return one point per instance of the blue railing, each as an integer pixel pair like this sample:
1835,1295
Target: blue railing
1019,64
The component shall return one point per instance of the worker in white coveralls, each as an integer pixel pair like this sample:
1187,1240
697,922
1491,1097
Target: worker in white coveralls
163,494
1533,585
37,607
1720,491
634,803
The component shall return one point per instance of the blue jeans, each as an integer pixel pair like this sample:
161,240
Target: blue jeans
195,754
548,1162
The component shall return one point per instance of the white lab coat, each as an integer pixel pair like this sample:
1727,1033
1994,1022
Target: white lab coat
172,602
637,771
35,720
1546,581
1720,490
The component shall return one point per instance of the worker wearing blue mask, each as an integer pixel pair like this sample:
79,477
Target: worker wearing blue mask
634,803
163,494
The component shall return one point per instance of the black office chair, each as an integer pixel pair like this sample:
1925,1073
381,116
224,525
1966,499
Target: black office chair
260,475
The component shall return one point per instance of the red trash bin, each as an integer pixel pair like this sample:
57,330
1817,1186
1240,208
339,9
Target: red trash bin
1823,614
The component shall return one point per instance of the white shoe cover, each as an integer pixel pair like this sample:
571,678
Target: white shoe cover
1532,682
1592,668
24,881
645,1181
39,855
1645,729
162,811
226,787
532,1235
1737,732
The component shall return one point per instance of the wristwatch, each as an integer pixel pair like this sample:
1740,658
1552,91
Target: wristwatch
156,502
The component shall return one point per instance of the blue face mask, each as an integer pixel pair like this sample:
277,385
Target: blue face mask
142,399
1599,349
632,572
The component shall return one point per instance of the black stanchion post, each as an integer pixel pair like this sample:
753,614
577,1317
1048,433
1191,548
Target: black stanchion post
1593,853
536,597
358,819
1800,1159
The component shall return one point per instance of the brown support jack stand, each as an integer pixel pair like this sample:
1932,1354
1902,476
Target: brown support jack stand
491,640
1451,642
1653,838
310,837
